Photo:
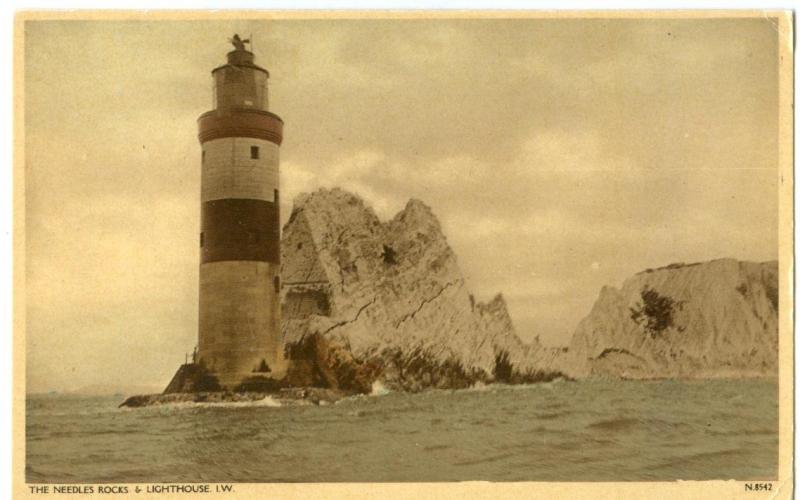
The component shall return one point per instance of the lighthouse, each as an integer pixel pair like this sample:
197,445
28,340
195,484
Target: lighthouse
239,334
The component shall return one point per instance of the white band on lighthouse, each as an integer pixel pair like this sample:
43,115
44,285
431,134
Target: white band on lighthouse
239,167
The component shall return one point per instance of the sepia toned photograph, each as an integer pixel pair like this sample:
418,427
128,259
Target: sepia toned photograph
260,249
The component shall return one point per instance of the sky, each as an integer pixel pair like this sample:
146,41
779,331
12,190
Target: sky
560,155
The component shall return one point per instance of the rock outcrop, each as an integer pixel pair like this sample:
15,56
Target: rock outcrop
366,301
289,396
712,319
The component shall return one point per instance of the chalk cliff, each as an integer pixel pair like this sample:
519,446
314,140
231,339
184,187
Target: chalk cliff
711,319
366,301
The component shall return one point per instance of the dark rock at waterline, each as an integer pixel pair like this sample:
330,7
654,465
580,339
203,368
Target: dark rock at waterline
321,361
282,397
192,377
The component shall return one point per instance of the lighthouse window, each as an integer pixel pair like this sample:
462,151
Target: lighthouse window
254,152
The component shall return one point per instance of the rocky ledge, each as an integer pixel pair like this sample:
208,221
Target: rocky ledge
293,396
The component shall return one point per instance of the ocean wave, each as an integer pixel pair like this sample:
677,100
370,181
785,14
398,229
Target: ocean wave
267,401
483,460
551,415
620,423
378,389
700,458
741,432
615,424
435,447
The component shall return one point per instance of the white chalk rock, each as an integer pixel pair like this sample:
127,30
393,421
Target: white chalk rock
724,324
370,285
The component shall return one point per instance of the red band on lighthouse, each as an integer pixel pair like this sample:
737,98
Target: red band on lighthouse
235,229
241,122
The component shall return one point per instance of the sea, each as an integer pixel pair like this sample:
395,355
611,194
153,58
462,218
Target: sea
589,430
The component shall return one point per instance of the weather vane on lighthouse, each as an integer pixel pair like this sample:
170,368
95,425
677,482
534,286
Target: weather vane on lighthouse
238,42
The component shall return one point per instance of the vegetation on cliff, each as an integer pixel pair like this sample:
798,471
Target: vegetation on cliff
655,312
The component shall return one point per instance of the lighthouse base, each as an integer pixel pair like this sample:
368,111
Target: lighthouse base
193,377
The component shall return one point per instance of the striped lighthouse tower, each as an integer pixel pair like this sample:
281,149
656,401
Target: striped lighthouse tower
239,325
